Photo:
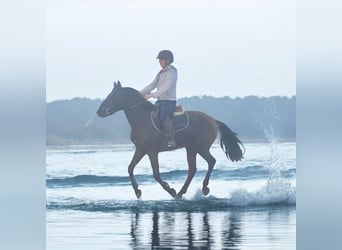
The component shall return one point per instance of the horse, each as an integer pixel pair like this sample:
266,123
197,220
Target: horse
196,138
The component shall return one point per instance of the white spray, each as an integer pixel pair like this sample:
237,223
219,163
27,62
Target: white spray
90,120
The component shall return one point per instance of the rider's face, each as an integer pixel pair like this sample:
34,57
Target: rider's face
163,63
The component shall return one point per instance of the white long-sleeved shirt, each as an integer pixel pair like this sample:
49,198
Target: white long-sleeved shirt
165,82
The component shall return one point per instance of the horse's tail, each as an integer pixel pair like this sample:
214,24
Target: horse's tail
229,142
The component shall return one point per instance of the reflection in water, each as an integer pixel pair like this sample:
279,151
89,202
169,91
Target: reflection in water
256,228
134,230
186,230
231,233
155,230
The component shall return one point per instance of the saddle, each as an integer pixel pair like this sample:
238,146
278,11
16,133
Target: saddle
180,119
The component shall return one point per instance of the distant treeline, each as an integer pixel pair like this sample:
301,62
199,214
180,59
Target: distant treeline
252,118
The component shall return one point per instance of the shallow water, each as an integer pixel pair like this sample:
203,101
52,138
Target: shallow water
238,228
91,204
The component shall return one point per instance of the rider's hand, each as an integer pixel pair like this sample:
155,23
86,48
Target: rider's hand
148,96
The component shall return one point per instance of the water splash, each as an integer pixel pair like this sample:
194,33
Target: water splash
277,189
90,120
276,163
210,203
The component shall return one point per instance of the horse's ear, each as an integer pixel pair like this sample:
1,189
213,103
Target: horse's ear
119,84
114,84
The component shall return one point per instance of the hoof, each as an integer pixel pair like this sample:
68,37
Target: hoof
178,196
173,193
138,193
205,190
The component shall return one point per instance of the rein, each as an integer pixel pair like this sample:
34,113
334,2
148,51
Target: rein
134,105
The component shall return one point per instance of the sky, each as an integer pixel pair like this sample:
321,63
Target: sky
230,48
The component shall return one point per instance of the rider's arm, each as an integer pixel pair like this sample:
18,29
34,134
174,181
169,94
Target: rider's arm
149,87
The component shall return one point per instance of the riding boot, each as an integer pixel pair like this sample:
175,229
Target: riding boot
170,133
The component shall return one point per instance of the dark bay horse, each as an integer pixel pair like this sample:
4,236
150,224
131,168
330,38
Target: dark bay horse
197,138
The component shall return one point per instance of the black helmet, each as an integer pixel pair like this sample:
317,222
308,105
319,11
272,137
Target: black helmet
166,55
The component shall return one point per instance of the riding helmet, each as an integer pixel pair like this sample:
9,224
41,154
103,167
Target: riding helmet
166,55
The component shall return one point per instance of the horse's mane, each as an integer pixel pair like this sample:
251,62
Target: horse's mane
131,92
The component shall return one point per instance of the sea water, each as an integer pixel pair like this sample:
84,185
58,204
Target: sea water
91,203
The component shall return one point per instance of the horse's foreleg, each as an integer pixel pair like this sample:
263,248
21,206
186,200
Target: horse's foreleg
136,158
191,156
211,162
155,167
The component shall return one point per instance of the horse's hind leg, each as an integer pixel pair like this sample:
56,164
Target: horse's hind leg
211,162
136,158
155,167
191,156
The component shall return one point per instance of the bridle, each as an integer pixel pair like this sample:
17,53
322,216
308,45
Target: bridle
109,110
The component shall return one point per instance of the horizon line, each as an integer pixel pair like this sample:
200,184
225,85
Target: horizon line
183,97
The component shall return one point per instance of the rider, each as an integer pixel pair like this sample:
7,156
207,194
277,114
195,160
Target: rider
165,82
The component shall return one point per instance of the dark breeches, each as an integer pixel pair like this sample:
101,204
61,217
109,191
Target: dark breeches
166,109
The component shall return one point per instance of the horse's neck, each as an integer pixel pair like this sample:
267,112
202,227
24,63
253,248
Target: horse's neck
138,116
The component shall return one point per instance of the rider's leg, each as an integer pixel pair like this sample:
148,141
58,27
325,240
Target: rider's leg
166,109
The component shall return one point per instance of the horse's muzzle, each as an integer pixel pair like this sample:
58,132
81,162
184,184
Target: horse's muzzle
103,112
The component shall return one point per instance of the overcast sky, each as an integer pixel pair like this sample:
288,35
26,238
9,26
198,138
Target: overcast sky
222,48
